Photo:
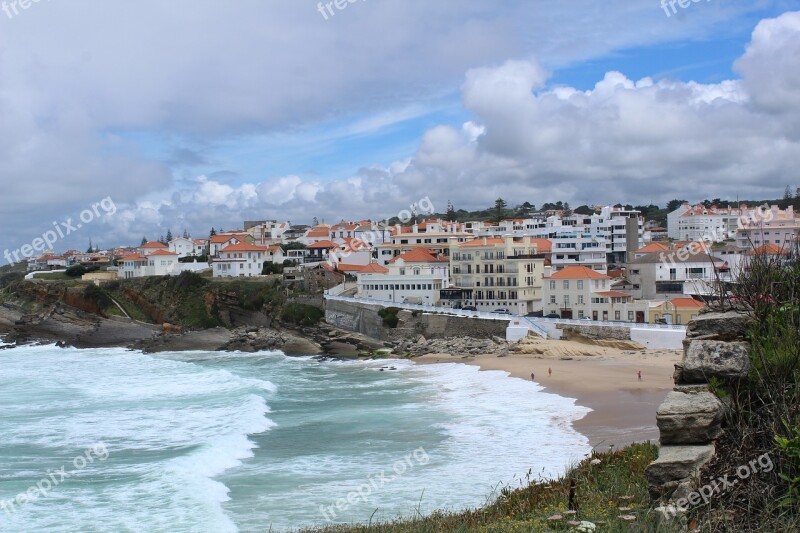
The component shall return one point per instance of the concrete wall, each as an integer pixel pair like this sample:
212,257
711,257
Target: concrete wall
657,338
363,318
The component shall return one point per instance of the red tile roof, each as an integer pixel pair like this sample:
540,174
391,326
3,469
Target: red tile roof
162,253
153,244
328,245
372,268
769,249
484,241
578,272
419,255
686,302
652,248
243,247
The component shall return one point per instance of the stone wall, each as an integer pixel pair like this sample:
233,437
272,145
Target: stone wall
363,318
691,417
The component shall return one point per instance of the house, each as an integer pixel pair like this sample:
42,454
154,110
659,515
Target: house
131,266
218,242
240,260
769,226
162,263
320,251
581,292
497,273
182,246
150,247
676,311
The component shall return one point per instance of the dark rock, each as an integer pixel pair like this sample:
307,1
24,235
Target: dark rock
705,359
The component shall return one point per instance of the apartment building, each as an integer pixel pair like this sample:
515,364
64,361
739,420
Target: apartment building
666,275
406,239
498,273
773,226
710,224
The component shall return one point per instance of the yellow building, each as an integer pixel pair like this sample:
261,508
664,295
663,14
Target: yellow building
675,311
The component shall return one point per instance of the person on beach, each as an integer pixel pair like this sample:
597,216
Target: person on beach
640,375
549,372
532,376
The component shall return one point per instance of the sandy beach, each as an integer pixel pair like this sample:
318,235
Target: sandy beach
623,407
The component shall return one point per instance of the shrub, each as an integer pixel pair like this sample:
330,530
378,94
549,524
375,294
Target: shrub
389,316
76,271
301,314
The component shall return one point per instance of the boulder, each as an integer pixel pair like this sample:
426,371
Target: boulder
730,326
705,359
689,418
677,463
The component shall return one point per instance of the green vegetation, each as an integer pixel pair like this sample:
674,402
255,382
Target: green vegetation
301,314
389,316
610,491
763,416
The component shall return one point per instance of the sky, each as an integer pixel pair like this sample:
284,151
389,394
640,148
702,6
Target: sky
121,120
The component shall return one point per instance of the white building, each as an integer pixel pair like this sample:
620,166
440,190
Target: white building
580,292
182,246
672,220
684,272
240,260
413,277
772,226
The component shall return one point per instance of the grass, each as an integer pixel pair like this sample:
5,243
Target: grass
607,486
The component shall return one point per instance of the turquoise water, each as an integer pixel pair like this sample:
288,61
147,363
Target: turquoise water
214,442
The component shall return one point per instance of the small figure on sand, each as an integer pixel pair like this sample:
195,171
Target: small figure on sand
549,371
532,376
639,373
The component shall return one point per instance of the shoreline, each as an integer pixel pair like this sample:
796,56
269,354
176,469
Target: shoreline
623,408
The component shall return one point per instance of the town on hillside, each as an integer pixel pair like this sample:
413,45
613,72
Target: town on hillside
606,263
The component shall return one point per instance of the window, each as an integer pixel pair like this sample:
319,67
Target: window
553,299
580,284
617,315
566,284
552,285
580,299
630,316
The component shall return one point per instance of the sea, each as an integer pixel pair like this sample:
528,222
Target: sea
114,440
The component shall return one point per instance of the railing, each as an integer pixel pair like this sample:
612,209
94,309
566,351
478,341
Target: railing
608,323
424,307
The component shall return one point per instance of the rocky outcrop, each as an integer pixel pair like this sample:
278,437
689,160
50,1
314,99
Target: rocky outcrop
689,418
456,346
692,417
724,360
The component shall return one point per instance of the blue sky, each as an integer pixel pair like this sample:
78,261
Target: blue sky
192,114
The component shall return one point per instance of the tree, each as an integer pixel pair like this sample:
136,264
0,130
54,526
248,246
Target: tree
499,209
161,239
185,234
672,205
567,210
787,193
91,248
583,210
213,232
169,235
144,241
451,212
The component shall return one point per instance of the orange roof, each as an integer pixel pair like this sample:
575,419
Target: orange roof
418,255
274,248
578,272
318,233
372,268
355,245
222,239
652,248
151,245
614,294
484,241
162,252
542,245
769,249
324,244
686,302
133,258
243,247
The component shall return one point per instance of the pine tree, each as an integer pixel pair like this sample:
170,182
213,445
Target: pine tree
499,210
213,232
451,212
91,248
169,235
144,241
161,239
185,234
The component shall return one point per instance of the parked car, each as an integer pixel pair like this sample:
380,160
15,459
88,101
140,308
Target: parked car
469,308
552,315
502,311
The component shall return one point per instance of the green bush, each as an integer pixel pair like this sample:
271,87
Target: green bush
791,448
389,316
301,314
76,271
